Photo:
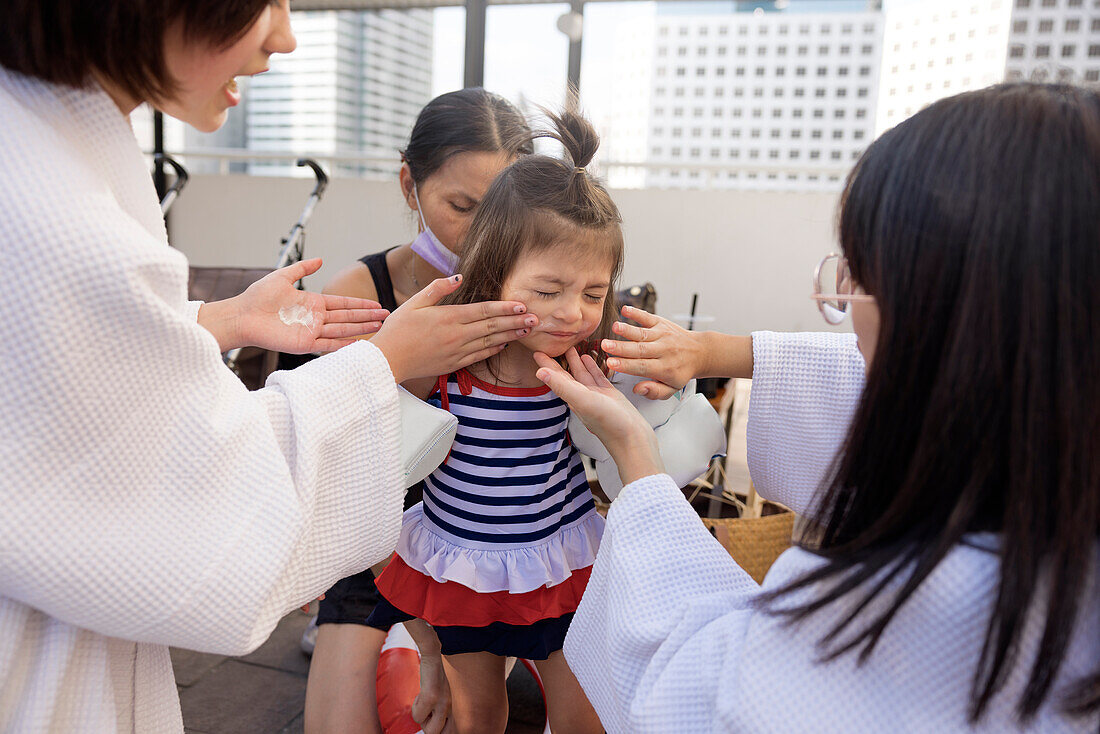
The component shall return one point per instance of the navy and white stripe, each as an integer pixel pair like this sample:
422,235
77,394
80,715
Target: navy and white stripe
512,477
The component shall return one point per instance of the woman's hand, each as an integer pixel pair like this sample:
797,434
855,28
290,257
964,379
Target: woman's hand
431,709
421,339
606,412
668,355
275,315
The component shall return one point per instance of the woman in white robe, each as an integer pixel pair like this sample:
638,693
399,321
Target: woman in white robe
146,498
950,579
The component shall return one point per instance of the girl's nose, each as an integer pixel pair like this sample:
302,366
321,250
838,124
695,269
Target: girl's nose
570,311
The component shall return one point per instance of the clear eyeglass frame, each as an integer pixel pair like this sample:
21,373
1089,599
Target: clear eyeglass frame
835,289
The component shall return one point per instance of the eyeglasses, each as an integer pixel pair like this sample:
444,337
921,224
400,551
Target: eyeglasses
834,288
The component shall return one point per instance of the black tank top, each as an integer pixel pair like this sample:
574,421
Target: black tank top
383,285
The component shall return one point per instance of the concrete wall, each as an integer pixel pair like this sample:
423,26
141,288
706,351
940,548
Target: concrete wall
749,255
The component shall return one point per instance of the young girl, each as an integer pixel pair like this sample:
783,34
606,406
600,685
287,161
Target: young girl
498,554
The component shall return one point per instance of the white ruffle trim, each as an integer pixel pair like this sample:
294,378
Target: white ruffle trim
515,570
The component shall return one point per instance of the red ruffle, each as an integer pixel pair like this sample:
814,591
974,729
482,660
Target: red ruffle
450,604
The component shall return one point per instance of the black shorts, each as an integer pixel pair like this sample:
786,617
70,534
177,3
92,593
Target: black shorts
351,600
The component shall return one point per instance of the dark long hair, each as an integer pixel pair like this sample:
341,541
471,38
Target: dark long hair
976,225
468,120
537,203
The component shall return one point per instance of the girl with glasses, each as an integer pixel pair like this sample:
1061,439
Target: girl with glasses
949,576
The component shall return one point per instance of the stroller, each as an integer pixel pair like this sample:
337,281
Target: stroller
251,364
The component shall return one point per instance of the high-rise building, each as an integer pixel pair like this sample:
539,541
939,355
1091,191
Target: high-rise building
1054,40
753,99
937,48
353,86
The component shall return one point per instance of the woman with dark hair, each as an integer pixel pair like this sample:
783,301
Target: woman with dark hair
460,142
141,479
949,577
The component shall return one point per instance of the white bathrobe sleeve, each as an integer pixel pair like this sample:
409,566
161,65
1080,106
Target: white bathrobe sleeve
664,610
805,388
145,493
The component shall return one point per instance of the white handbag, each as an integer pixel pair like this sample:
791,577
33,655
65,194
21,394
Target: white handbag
689,434
427,433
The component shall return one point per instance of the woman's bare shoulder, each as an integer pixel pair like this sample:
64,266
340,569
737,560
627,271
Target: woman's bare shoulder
354,280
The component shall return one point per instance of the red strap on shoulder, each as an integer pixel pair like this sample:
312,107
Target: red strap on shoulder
441,388
465,382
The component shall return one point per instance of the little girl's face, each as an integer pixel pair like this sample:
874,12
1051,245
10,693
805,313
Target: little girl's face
566,292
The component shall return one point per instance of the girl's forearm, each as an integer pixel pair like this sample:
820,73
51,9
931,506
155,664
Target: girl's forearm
724,355
424,636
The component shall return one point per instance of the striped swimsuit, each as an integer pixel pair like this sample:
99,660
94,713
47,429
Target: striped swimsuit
497,555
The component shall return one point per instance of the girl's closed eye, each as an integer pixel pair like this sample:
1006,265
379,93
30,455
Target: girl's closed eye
545,294
462,209
594,298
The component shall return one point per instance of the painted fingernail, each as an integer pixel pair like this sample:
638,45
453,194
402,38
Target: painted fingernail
457,277
530,320
520,308
523,332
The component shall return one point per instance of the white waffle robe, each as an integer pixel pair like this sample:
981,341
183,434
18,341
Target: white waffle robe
666,640
146,498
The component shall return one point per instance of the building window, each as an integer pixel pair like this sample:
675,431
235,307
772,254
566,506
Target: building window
1094,50
1095,25
722,50
804,30
861,113
761,50
841,92
758,92
1069,50
779,92
794,154
754,154
838,134
720,71
716,132
815,154
822,50
754,133
1042,51
858,135
759,71
701,51
835,155
783,30
842,71
796,134
781,71
1023,3
818,114
815,134
1073,24
825,30
742,50
822,71
739,71
800,71
865,71
676,152
1050,3
700,71
797,113
1046,26
695,152
861,92
1016,51
838,114
775,133
819,92
773,153
846,29
781,51
803,50
680,71
845,50
1092,75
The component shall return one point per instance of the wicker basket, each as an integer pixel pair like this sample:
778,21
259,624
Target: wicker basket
754,542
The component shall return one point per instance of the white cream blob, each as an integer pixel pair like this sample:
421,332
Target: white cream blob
297,316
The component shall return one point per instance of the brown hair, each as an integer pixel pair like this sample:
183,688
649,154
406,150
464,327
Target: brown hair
470,119
537,203
64,41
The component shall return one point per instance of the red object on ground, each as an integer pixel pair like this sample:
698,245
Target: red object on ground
398,682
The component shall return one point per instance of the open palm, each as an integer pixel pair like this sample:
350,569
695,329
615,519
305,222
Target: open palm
275,315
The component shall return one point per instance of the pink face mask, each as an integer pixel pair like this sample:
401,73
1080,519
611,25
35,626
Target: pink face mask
428,246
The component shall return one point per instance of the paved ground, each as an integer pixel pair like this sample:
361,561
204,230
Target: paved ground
265,692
